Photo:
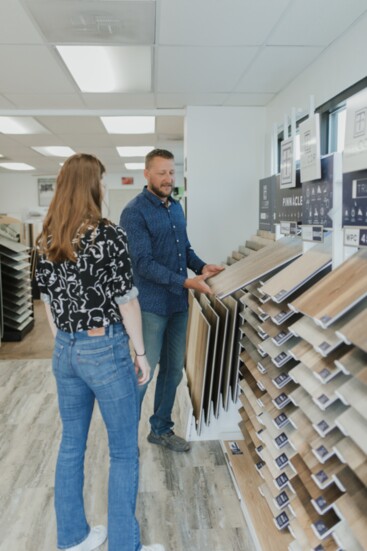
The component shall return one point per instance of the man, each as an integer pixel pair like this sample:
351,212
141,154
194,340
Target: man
161,253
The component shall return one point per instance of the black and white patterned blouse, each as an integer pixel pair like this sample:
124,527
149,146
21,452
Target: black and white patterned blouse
85,294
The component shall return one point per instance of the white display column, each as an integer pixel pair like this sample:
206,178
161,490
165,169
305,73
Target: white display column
224,160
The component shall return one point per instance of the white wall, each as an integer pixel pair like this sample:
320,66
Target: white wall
340,66
224,147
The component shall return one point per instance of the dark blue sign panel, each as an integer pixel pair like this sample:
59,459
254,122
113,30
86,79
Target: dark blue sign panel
289,202
267,191
355,198
318,196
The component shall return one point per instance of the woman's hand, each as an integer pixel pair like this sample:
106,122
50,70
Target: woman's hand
142,369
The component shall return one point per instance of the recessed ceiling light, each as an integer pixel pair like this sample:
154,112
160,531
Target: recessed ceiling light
138,151
55,151
129,125
135,166
21,125
17,166
109,68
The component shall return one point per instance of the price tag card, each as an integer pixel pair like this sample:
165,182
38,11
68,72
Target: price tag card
288,228
313,233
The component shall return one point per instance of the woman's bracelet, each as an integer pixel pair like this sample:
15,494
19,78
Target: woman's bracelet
139,355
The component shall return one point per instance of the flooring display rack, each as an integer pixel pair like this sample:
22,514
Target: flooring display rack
16,297
299,377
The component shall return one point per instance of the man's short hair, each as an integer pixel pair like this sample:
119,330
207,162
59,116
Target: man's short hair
157,153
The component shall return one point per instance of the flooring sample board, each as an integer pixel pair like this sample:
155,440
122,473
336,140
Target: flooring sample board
355,331
251,268
222,311
349,453
304,268
196,360
354,393
323,340
337,292
352,362
248,481
213,320
354,425
353,510
230,362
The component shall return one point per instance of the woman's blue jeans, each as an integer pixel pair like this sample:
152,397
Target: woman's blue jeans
165,343
86,368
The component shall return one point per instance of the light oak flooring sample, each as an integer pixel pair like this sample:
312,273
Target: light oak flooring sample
213,320
353,361
323,340
337,292
222,311
247,270
230,361
248,481
197,358
355,331
298,273
352,424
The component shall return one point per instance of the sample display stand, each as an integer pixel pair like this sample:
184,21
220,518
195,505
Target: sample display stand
16,302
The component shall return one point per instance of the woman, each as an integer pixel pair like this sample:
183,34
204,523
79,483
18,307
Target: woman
85,279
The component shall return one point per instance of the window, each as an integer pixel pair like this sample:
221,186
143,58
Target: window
337,121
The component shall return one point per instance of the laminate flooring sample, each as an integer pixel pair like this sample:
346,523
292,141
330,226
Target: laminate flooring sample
230,362
337,292
352,424
213,320
355,331
323,340
304,268
222,311
251,268
352,362
196,360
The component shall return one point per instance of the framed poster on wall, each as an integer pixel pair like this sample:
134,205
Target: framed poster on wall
46,190
287,164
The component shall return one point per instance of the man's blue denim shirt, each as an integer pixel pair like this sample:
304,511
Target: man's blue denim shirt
160,252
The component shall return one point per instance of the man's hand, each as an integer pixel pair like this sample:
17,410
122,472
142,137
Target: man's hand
211,270
198,284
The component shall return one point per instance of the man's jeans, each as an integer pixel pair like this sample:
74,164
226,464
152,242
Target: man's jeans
165,343
87,368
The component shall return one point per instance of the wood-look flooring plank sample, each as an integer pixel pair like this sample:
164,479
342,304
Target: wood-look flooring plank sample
196,360
352,362
337,292
222,311
352,424
324,341
349,453
251,268
353,510
229,360
354,393
248,481
304,268
355,331
213,320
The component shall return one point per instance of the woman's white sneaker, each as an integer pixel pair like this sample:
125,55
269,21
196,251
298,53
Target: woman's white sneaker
95,538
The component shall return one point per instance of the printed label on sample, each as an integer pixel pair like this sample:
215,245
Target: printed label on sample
282,520
259,465
281,480
281,460
323,426
235,449
313,234
321,503
324,346
282,400
322,451
281,380
281,440
282,499
279,296
325,373
281,420
321,476
320,527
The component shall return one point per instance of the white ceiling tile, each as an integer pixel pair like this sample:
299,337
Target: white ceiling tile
248,99
213,22
95,22
200,69
5,103
316,23
33,69
119,101
180,101
170,125
15,24
275,67
46,101
77,125
84,141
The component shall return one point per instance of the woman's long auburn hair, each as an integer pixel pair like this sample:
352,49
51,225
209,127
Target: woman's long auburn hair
75,207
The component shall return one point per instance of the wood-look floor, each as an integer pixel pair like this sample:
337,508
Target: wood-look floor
186,501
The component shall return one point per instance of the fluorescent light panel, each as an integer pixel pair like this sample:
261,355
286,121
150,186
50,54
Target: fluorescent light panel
129,125
21,125
16,166
135,166
134,151
109,69
54,151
